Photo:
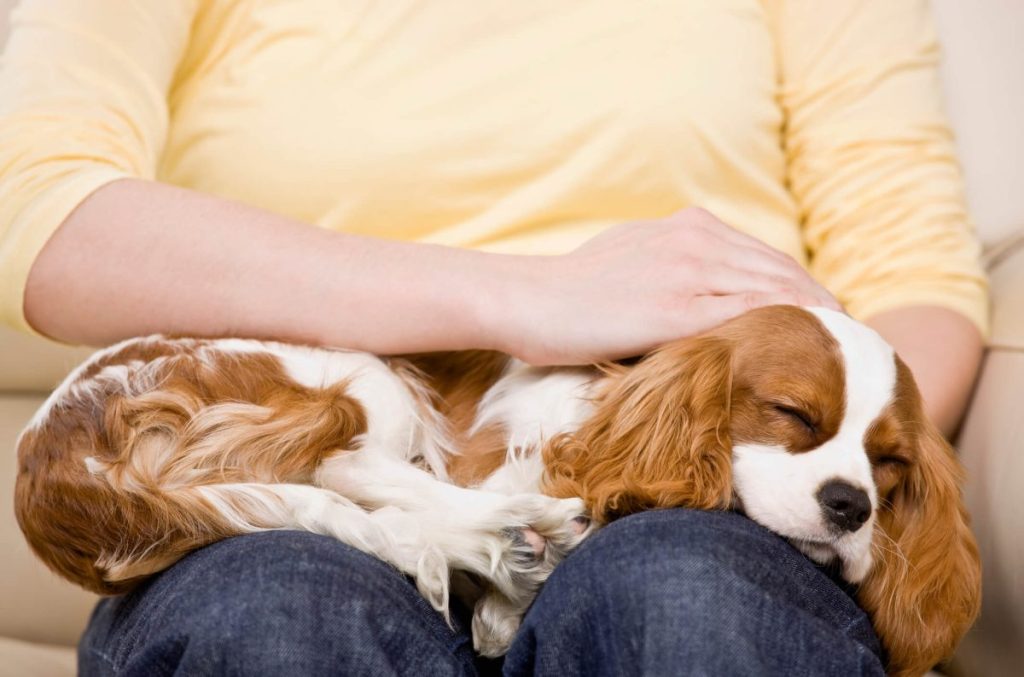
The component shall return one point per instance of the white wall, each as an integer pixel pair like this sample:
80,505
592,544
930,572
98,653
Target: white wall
5,7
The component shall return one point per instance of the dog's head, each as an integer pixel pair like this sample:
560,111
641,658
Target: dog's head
808,422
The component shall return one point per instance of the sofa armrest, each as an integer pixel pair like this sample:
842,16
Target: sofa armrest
1005,262
991,446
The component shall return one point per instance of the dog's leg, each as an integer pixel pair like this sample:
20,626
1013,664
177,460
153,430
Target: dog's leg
511,541
496,615
227,509
480,532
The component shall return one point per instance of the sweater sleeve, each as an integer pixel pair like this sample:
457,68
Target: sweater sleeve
871,159
83,101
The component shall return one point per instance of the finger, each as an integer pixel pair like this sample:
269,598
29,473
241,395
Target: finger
725,280
727,233
709,311
759,261
767,258
718,279
742,249
787,273
738,246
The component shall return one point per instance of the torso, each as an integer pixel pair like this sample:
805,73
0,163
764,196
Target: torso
519,127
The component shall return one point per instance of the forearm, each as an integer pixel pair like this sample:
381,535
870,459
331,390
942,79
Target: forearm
943,349
140,257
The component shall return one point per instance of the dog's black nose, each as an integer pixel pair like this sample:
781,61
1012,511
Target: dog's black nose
844,505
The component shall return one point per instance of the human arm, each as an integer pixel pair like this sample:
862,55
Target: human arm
87,97
943,349
139,257
873,169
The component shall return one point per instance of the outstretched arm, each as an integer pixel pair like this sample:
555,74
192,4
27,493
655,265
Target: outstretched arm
139,257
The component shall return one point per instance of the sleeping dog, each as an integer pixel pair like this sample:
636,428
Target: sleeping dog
479,464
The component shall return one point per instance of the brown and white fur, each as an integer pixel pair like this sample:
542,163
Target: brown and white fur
477,463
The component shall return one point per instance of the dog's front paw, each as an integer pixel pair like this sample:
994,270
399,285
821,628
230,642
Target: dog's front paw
557,530
540,531
530,553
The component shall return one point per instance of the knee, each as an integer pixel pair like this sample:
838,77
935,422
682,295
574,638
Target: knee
250,581
683,585
277,601
294,585
675,565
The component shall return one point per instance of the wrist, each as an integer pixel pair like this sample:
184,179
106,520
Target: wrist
505,302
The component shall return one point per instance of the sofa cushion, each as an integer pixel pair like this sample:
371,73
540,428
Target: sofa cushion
1007,280
991,449
38,660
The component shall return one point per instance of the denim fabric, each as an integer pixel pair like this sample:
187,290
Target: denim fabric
661,593
681,592
274,603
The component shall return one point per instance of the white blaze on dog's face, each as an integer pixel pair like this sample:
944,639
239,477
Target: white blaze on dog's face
813,436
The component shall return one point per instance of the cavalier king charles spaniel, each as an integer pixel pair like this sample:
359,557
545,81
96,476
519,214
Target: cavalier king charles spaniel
478,465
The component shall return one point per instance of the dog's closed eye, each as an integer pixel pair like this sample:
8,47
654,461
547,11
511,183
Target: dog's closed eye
797,415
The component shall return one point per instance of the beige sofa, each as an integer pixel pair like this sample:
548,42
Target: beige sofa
41,616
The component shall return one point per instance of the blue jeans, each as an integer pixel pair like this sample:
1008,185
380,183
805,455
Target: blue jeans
661,593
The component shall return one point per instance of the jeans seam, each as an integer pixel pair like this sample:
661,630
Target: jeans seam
102,655
853,623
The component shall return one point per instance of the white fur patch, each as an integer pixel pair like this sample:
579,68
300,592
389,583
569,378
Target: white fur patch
534,403
396,423
94,466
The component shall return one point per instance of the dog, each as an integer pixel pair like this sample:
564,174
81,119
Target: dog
476,464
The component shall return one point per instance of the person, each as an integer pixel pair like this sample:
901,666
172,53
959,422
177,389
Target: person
567,184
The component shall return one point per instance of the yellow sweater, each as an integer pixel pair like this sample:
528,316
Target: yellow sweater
524,126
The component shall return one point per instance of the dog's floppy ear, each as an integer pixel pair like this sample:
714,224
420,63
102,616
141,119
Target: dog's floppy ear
925,588
659,437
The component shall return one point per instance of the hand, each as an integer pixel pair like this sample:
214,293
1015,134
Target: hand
642,284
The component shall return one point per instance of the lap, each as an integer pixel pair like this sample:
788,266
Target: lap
691,592
662,590
275,602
